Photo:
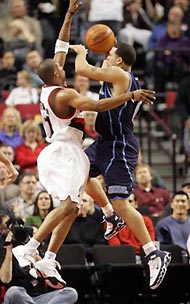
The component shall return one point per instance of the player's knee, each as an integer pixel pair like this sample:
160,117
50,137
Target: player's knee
68,209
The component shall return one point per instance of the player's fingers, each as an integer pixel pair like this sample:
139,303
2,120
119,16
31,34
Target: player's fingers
149,92
146,99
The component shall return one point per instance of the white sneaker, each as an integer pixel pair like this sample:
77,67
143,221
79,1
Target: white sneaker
24,256
158,262
46,268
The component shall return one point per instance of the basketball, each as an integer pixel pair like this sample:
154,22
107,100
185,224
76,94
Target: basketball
100,38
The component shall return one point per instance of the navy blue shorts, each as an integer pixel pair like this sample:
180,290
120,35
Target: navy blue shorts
115,160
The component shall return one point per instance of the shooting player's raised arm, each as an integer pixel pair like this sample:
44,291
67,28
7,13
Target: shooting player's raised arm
62,43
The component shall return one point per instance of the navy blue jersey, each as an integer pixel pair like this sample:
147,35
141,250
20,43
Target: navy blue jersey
118,121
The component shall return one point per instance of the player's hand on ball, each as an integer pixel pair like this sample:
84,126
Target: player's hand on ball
146,96
74,6
79,49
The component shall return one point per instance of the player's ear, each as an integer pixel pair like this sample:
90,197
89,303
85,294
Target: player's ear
119,60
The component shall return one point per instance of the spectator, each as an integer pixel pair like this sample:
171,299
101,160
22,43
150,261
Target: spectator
171,60
43,204
89,120
27,153
3,227
23,204
126,236
101,12
137,24
47,13
151,200
19,40
18,13
8,71
182,102
86,229
24,94
157,181
175,228
9,152
10,127
33,58
186,188
7,192
21,289
175,14
82,85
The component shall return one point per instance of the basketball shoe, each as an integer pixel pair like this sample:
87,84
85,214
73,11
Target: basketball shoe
46,268
25,258
114,224
158,262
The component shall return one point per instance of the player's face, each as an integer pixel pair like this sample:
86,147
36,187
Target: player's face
111,59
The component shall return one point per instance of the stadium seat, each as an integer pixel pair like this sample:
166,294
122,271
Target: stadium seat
119,279
76,273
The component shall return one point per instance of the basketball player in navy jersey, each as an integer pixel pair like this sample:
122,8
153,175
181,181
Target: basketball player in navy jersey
63,166
114,153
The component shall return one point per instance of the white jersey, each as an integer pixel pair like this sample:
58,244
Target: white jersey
57,128
63,166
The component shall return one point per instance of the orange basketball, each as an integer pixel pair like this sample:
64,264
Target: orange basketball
100,38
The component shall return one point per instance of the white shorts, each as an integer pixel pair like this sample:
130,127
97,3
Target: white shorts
63,170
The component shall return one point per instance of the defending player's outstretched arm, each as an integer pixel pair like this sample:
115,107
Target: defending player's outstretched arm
73,99
62,43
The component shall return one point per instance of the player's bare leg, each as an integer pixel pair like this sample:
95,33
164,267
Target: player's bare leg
156,259
54,218
60,232
114,223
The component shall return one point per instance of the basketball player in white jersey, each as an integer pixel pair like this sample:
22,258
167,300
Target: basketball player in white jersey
63,166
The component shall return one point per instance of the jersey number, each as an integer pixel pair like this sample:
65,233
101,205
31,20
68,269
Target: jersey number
46,120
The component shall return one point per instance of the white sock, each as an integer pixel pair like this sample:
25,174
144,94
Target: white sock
32,246
50,255
148,248
108,209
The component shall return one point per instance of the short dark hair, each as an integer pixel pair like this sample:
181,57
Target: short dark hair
46,70
180,193
36,209
26,173
185,184
127,53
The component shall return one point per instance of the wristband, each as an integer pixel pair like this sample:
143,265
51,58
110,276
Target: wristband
61,46
72,13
